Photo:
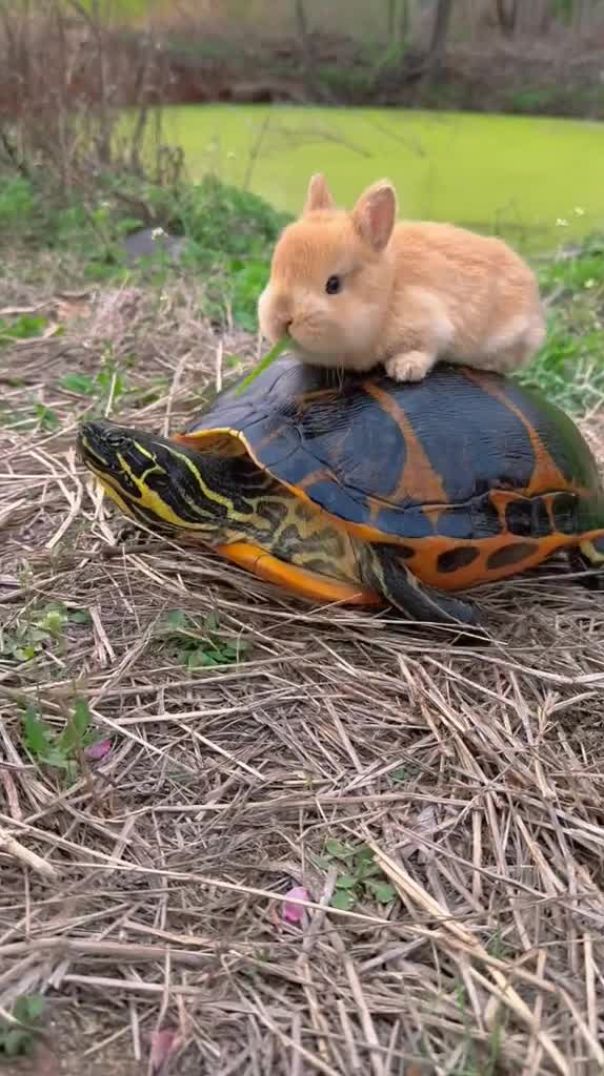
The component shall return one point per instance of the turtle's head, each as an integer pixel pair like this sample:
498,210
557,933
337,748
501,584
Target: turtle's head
165,485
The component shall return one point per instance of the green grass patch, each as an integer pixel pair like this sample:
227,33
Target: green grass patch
42,628
37,417
23,327
18,1039
198,643
108,384
569,369
358,879
21,214
228,238
62,750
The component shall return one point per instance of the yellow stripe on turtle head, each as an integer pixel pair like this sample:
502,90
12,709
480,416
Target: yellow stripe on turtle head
110,490
151,501
116,498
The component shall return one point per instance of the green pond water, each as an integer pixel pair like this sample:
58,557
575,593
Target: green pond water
539,181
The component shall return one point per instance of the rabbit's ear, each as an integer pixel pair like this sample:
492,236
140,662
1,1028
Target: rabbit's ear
318,195
374,215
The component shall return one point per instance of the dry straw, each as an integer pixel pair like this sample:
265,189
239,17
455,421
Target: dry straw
148,892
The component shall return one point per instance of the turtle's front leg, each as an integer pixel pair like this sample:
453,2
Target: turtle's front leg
385,571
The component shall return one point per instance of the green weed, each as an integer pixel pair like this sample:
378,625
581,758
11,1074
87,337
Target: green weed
34,632
197,643
78,384
23,327
141,396
36,417
59,750
109,384
478,1060
17,1040
496,947
46,419
233,289
37,630
359,878
267,360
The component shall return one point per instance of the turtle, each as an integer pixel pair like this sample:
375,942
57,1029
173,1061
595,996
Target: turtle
353,488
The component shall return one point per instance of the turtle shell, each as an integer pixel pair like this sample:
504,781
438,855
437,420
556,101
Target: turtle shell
467,464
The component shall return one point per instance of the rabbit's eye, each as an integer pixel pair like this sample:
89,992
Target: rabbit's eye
334,285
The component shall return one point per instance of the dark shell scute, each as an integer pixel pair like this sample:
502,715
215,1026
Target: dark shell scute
564,511
528,518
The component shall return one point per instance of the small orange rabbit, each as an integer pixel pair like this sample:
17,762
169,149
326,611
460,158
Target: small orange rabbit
357,289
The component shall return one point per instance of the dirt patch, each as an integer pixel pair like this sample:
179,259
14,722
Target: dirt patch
474,778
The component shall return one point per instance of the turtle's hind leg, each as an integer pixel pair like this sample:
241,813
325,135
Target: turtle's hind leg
385,570
586,557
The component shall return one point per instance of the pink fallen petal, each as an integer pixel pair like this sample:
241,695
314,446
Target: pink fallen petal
164,1044
44,1062
293,913
96,751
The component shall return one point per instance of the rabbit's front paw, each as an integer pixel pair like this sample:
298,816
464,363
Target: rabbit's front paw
409,365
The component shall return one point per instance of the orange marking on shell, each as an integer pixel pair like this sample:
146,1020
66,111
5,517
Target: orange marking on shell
225,442
317,394
315,476
375,506
501,498
419,480
263,442
546,473
424,563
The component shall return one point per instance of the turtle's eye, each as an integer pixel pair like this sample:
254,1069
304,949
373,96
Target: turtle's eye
333,285
115,438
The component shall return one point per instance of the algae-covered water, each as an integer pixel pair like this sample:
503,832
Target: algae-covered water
539,181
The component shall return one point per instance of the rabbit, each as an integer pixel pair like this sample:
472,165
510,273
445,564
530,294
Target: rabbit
356,289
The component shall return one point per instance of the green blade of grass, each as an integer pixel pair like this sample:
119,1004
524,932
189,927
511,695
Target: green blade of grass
266,361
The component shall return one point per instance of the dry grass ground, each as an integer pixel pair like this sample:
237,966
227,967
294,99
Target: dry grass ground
476,777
